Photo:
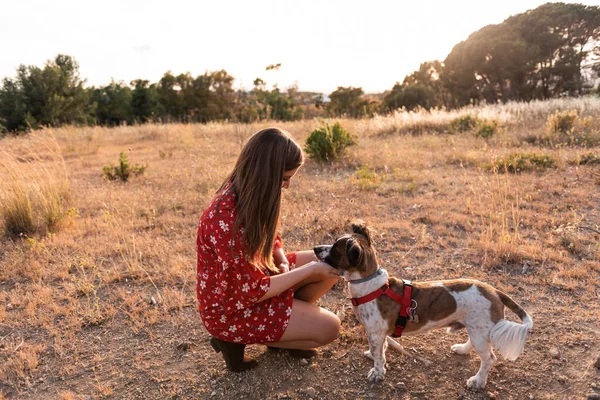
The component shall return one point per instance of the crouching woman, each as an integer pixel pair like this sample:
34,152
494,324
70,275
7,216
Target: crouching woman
249,291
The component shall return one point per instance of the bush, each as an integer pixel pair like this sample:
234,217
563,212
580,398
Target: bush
464,123
486,129
366,177
520,162
123,170
562,121
328,143
586,159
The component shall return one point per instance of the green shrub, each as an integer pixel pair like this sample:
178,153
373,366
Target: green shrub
366,177
586,159
122,171
464,123
562,121
521,162
328,143
486,129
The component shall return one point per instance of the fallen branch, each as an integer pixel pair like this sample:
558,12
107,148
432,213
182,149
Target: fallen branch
589,229
400,349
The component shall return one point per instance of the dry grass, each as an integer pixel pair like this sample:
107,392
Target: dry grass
111,288
35,187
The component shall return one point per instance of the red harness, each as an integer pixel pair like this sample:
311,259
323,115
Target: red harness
404,301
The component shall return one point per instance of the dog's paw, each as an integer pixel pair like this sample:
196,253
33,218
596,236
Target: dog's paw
474,383
376,375
368,354
461,348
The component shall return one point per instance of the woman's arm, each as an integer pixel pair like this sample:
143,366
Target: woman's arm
282,282
280,260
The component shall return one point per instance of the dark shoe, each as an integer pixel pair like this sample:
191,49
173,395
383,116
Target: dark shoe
296,353
233,354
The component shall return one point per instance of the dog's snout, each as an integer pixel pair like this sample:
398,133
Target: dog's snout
321,252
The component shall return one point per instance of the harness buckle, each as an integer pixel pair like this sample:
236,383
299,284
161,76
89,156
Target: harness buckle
354,301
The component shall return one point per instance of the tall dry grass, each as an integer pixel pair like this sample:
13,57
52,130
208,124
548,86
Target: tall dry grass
34,190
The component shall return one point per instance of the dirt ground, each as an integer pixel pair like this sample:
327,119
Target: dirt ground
175,360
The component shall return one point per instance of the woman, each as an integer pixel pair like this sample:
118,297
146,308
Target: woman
248,290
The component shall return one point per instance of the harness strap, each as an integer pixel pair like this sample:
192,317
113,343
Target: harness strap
404,301
371,296
403,314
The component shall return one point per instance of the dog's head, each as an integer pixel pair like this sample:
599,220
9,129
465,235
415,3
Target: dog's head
350,252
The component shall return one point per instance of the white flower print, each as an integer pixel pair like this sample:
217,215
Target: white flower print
264,287
288,312
224,226
239,305
245,287
213,240
232,328
247,313
223,319
271,312
203,284
261,327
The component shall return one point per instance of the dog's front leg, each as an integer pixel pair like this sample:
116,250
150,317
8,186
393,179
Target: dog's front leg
377,350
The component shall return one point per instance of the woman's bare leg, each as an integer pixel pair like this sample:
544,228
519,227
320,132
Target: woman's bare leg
310,290
310,326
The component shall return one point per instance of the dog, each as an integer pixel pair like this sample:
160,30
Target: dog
455,304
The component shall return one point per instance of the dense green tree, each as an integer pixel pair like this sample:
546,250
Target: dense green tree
348,101
144,101
112,104
49,96
422,88
534,55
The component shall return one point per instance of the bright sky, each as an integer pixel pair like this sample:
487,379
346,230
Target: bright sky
321,44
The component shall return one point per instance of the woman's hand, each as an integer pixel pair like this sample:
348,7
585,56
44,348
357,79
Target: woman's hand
284,267
323,270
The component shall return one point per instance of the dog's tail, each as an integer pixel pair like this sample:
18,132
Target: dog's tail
507,336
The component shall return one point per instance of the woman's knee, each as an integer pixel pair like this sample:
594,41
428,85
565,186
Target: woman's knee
330,328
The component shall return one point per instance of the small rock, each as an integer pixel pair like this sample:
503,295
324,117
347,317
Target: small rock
213,394
555,353
183,346
597,363
562,379
593,396
152,300
400,386
311,391
303,361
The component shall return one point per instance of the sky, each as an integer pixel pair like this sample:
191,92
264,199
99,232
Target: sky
320,44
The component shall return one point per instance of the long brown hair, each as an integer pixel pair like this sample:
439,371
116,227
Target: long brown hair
257,179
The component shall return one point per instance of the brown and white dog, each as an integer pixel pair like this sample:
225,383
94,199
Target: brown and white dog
456,304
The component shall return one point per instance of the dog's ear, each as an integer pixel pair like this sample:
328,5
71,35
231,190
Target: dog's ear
353,252
360,227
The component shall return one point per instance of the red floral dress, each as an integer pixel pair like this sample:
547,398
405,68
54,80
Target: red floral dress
229,287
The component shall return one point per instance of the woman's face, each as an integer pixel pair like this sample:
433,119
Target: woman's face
287,177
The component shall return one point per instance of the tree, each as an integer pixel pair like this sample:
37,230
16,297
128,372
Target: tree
112,104
144,101
534,55
422,88
347,101
50,96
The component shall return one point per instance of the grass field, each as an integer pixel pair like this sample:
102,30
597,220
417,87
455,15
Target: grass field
98,299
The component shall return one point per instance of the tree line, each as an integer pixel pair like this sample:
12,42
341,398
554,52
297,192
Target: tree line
547,52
